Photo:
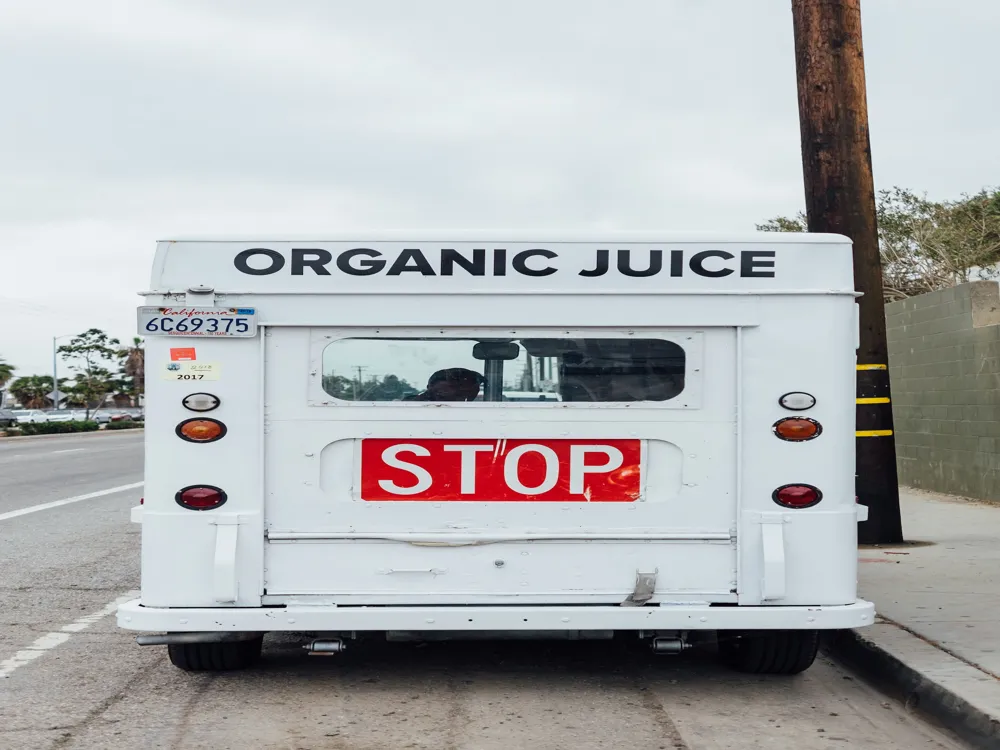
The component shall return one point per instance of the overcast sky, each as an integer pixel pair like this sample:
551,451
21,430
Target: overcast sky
124,121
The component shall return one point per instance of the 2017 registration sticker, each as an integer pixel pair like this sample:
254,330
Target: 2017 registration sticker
192,371
198,321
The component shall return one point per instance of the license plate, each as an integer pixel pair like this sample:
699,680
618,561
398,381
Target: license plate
198,321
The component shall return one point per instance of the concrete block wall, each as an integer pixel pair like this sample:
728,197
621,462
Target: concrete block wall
944,364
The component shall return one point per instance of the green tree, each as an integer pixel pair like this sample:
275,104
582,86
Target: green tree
339,387
6,375
6,372
388,388
927,245
89,354
88,390
784,224
132,376
31,391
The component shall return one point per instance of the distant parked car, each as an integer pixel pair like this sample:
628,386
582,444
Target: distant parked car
7,418
30,416
63,415
104,416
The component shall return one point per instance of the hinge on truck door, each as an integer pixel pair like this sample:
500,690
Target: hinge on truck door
200,296
645,587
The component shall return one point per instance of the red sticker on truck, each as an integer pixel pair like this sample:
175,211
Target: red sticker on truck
185,354
595,471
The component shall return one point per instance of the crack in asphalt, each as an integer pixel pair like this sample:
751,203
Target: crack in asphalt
95,713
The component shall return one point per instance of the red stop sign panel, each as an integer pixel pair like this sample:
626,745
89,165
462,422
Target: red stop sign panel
596,471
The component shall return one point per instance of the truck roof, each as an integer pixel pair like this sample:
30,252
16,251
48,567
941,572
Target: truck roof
547,236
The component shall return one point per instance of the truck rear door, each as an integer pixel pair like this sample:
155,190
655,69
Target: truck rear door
624,486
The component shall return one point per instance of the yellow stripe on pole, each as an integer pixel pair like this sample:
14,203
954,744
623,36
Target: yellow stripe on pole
880,400
873,367
873,433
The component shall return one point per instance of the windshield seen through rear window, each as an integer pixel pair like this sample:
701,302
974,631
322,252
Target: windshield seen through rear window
493,370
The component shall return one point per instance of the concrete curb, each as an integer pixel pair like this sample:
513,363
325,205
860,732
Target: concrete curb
940,685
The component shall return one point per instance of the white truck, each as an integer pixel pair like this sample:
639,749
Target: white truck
328,450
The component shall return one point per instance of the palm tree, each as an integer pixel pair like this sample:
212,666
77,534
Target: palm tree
32,391
6,372
134,366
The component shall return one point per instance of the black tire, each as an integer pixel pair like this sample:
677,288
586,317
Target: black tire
215,657
783,652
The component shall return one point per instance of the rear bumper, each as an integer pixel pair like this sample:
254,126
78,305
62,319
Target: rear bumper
306,618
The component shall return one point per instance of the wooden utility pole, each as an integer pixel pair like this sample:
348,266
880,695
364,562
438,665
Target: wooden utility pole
840,198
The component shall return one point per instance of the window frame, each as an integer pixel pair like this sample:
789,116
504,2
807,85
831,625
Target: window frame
690,340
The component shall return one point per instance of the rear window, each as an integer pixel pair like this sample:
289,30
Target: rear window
546,371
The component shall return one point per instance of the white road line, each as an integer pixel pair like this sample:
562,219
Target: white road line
70,450
68,500
50,640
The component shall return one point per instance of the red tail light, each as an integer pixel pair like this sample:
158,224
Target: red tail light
201,497
797,496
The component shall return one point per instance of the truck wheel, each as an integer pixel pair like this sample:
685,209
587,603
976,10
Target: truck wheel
215,657
769,651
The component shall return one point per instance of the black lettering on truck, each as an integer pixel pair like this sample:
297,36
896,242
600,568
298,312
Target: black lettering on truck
363,261
314,259
242,261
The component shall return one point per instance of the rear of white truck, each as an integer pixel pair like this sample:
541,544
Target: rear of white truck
329,450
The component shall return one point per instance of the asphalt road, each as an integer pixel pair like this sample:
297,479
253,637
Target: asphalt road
74,681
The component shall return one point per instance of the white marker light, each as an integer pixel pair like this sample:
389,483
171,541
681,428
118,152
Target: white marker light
201,402
797,401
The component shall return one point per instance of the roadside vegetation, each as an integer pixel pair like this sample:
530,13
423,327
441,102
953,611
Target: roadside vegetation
61,428
928,245
100,367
